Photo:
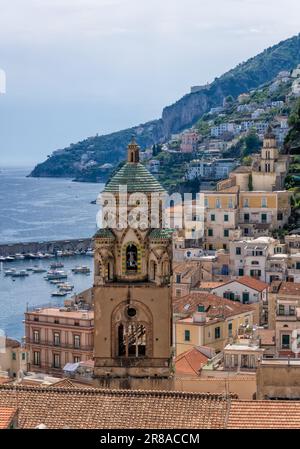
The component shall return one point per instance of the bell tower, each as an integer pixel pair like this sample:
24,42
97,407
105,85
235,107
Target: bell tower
132,295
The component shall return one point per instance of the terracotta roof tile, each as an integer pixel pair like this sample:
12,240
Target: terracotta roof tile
289,288
215,306
6,416
248,281
190,362
89,408
264,415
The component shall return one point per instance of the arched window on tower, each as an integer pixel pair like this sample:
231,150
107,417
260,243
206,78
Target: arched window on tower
131,340
153,270
110,271
165,268
131,258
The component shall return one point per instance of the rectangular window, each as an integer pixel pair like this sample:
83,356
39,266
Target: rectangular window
23,355
279,216
245,297
255,273
246,231
241,271
230,204
228,295
210,233
218,203
36,358
187,335
226,232
178,278
264,218
212,217
297,265
178,293
281,309
14,357
76,359
264,202
229,329
217,332
246,218
36,336
56,339
246,202
292,310
238,250
76,323
226,217
56,361
285,341
77,341
205,202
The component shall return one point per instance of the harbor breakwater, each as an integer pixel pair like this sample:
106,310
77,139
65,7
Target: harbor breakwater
7,249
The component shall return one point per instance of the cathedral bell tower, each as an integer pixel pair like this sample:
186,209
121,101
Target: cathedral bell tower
132,295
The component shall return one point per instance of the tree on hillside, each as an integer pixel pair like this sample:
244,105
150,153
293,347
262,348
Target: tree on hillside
292,140
252,143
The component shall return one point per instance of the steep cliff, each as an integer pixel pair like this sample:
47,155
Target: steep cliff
184,113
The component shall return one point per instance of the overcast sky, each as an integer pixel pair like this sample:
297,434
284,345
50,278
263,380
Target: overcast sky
75,68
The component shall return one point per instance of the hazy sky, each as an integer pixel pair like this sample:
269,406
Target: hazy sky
75,68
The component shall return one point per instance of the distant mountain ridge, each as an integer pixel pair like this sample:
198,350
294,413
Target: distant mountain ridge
110,148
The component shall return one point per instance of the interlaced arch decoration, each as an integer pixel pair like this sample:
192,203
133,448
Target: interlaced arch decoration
141,323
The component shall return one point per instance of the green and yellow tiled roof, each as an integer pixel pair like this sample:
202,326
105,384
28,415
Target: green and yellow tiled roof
136,177
163,233
104,233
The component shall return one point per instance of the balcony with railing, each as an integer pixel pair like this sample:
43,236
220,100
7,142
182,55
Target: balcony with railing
58,345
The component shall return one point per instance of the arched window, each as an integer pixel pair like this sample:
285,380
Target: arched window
165,268
153,270
131,340
110,271
131,258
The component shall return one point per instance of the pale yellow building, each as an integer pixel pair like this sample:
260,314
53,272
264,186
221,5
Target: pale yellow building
208,320
221,217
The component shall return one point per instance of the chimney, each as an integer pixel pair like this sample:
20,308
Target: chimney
200,315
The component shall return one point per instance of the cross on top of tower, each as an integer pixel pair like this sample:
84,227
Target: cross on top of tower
133,151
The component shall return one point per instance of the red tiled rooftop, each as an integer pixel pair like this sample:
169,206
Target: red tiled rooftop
264,415
214,305
190,362
6,416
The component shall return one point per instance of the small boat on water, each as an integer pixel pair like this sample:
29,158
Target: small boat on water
82,269
20,274
58,293
19,256
30,256
9,258
89,252
2,259
38,270
51,275
65,287
56,265
10,272
55,281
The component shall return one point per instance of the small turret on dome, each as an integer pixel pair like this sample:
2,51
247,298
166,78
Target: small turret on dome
133,151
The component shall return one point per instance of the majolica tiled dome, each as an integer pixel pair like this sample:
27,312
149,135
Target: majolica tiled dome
134,175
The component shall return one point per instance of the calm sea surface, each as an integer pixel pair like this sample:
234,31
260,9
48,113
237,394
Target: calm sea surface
36,210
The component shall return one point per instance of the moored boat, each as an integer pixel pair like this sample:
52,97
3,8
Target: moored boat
82,269
58,293
19,274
